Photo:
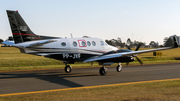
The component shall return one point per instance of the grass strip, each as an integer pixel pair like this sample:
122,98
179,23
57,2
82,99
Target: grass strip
164,90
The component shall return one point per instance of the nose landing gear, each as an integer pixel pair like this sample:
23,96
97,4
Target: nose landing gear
119,68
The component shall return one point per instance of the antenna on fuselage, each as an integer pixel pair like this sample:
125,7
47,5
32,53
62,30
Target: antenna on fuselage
71,35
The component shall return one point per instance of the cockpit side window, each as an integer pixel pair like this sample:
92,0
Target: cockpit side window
105,43
102,43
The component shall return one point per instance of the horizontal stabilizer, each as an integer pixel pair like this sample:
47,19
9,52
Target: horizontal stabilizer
39,43
28,44
8,42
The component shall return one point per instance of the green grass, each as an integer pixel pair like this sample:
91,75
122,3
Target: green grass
12,59
156,91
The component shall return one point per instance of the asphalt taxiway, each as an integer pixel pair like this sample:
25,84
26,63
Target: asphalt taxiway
40,80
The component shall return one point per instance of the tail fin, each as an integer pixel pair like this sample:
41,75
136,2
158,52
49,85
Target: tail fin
20,30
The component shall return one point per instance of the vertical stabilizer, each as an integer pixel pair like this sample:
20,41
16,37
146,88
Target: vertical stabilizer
20,30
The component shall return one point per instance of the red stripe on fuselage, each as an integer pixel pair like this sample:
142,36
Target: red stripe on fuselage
23,34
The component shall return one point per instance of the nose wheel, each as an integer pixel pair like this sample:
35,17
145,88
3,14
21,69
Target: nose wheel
68,69
102,71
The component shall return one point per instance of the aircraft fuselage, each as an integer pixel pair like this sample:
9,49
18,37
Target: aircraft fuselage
71,49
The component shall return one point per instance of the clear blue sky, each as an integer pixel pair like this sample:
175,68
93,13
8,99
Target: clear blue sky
148,20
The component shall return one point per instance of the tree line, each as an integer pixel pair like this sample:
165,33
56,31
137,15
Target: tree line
118,43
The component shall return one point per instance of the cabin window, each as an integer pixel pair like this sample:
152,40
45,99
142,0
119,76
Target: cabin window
63,44
74,44
82,43
102,43
88,43
93,43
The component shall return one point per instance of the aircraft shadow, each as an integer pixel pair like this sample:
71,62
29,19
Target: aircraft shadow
53,77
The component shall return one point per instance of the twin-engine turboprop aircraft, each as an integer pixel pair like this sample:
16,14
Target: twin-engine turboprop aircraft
70,50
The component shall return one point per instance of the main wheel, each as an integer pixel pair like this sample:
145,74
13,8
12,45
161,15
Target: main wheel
119,68
102,71
68,69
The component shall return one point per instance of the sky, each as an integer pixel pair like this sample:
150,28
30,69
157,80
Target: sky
141,20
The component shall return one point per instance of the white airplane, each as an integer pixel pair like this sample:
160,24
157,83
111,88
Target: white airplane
70,50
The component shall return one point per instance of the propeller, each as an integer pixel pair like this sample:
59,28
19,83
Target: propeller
139,45
128,47
139,60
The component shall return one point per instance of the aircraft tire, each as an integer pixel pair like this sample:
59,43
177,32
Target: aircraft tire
102,71
68,69
119,68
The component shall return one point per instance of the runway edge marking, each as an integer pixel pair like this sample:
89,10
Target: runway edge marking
87,87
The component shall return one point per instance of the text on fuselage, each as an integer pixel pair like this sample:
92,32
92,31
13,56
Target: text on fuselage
73,56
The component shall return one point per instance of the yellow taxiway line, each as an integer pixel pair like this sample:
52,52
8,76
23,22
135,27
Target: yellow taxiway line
76,88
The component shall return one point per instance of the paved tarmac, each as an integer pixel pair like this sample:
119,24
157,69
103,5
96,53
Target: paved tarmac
29,81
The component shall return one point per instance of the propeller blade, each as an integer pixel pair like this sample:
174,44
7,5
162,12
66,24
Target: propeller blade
139,60
138,47
128,47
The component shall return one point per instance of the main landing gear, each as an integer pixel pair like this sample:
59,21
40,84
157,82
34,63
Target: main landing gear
68,69
103,70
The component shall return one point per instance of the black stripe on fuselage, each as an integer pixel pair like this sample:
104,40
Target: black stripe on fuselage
64,54
55,50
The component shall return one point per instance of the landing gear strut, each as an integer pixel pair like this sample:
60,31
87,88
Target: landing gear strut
103,70
119,68
68,69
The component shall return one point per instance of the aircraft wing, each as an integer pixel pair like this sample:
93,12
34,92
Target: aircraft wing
117,55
